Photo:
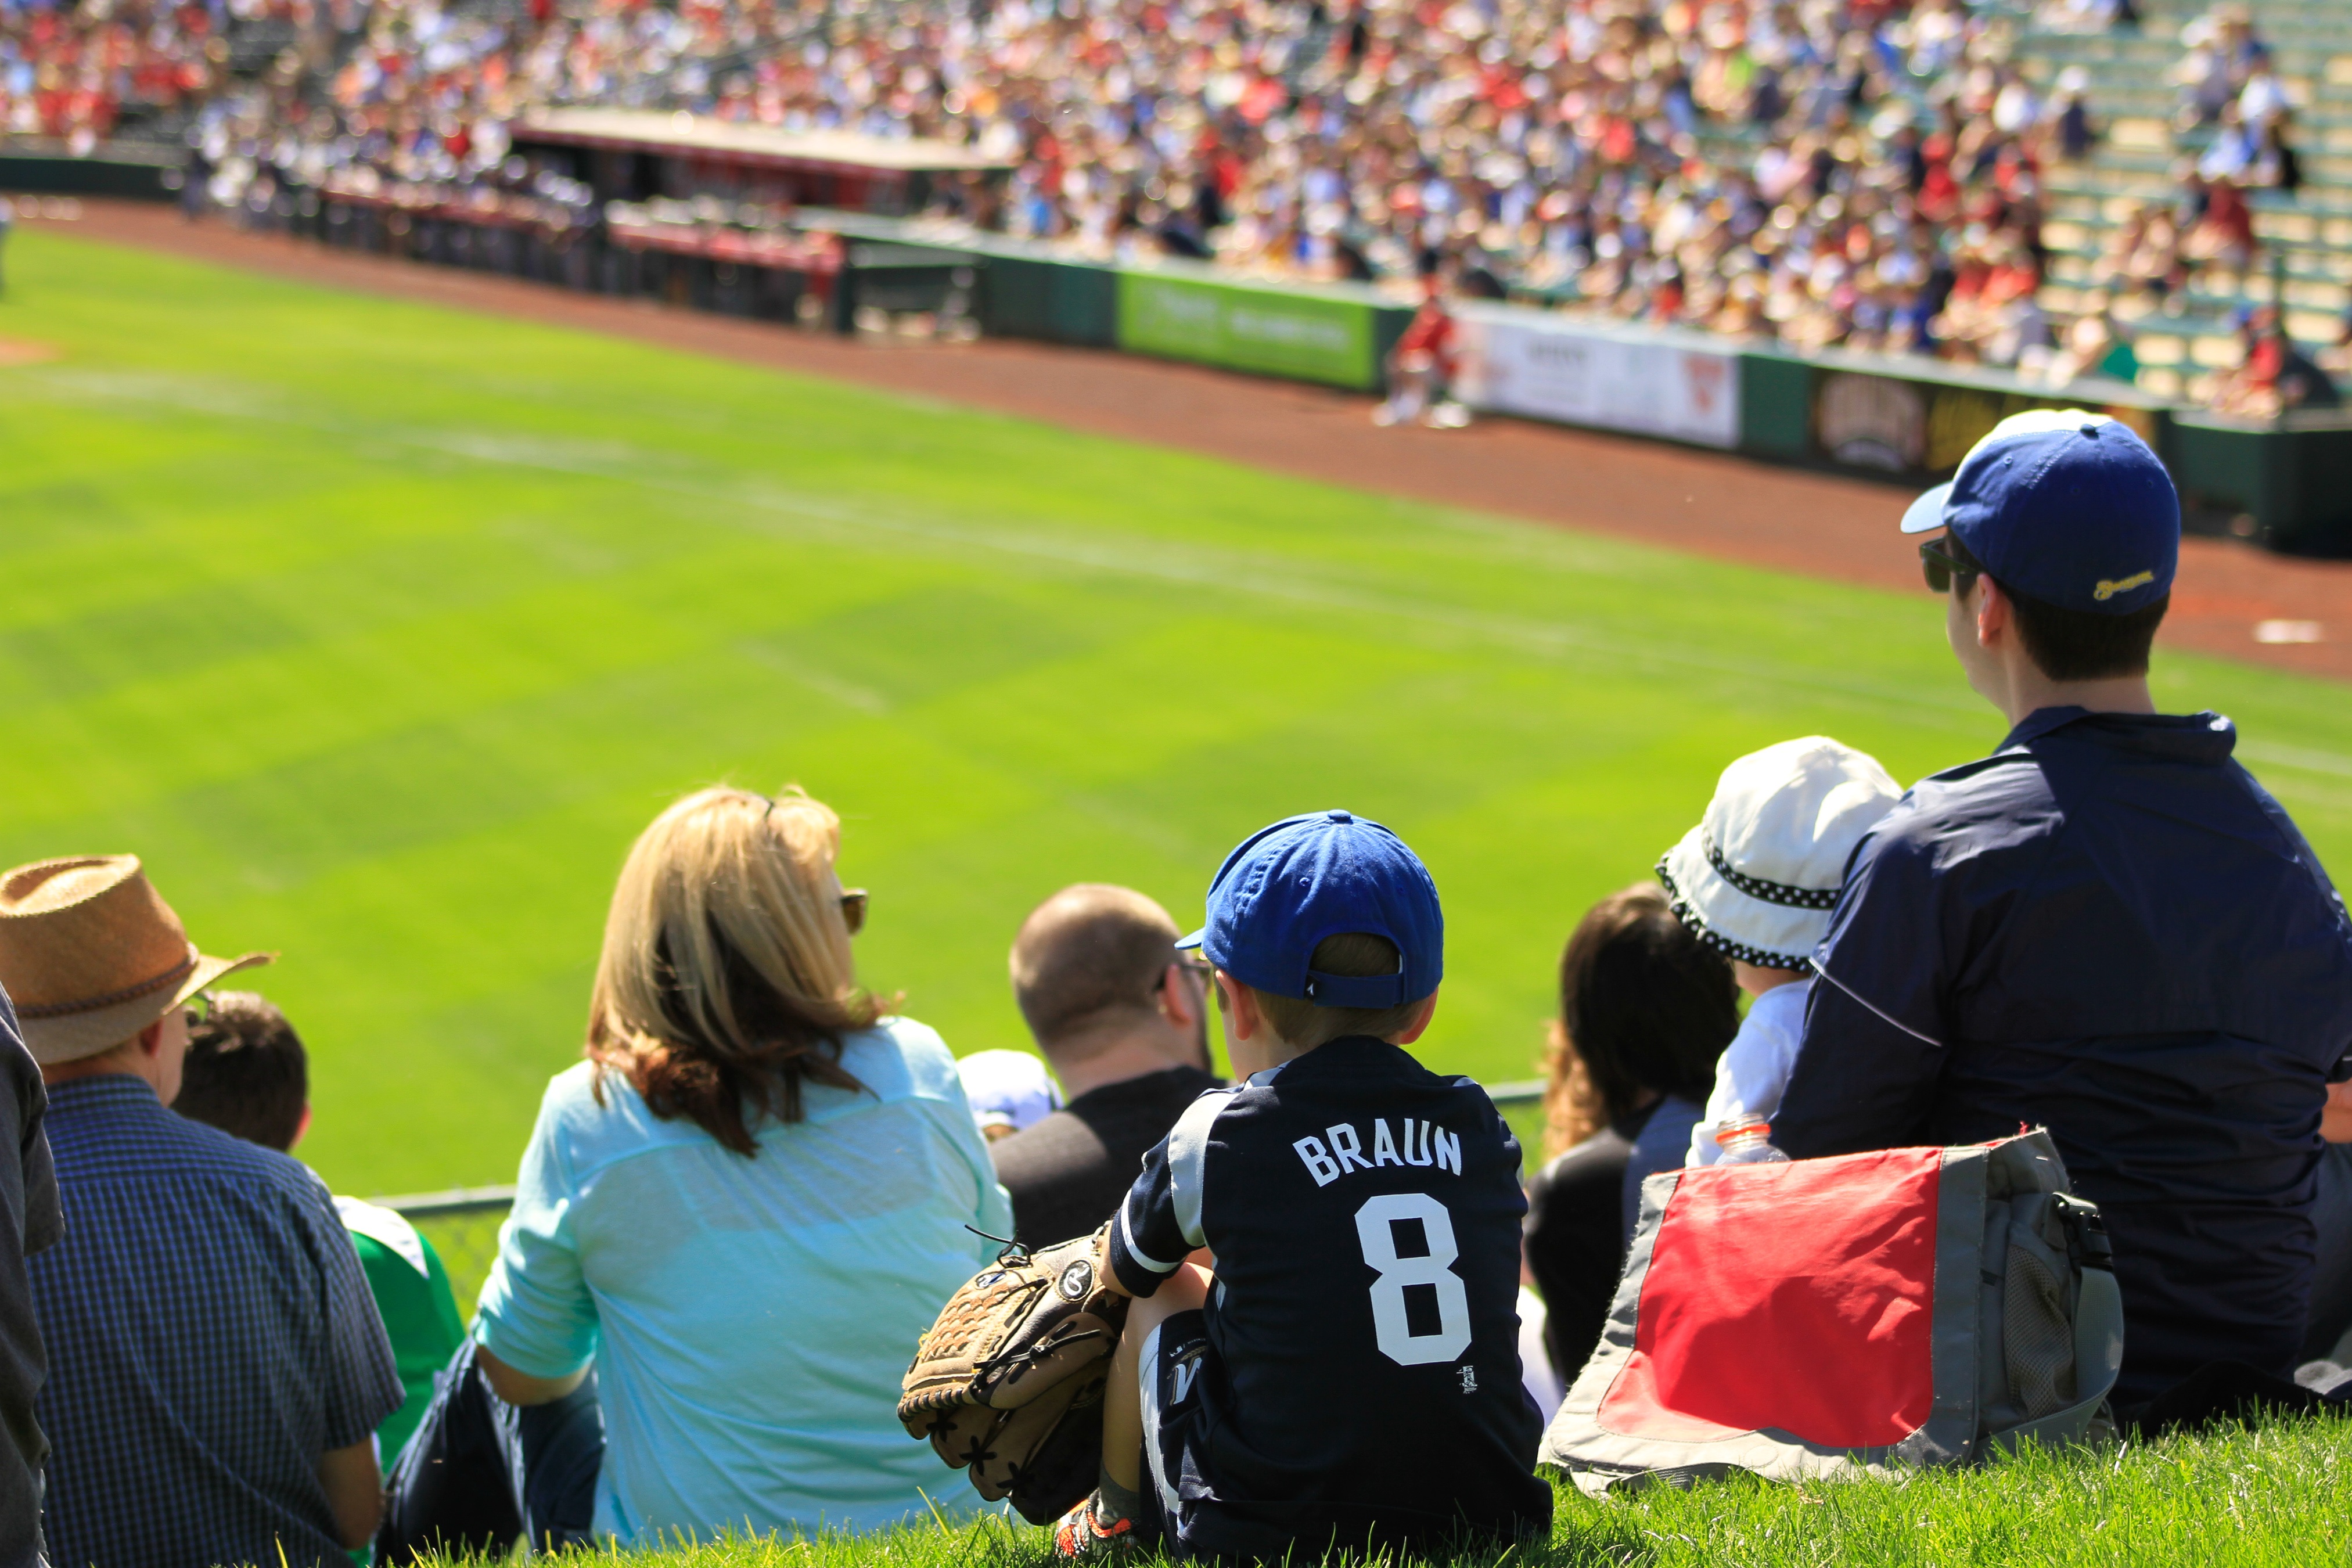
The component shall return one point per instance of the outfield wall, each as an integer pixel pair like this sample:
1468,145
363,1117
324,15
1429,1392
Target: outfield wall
1905,419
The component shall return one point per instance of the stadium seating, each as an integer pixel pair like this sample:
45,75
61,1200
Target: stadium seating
425,93
2307,237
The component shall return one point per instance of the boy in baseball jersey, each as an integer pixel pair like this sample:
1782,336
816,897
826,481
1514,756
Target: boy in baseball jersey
1324,1349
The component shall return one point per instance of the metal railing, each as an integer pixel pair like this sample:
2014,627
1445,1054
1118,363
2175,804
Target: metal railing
463,1223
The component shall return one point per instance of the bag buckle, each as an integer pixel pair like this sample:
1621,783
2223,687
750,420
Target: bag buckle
2086,1232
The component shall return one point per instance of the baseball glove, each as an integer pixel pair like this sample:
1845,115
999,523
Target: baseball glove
1009,1382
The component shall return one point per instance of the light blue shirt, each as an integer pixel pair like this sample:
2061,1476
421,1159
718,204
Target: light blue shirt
751,1319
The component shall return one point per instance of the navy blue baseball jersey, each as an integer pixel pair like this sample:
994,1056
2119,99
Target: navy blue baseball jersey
1361,1374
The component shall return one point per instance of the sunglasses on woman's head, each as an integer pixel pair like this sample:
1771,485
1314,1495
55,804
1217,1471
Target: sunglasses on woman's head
1943,566
853,909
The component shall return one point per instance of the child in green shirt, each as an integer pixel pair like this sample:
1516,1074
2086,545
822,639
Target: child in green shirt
247,1074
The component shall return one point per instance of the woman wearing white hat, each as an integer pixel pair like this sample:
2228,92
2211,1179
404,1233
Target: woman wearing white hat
1756,880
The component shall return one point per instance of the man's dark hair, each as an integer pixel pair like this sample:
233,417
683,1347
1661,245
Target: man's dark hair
1644,1007
2071,644
1087,955
247,1072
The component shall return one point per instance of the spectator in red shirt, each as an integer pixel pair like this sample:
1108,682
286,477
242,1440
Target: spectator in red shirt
1422,365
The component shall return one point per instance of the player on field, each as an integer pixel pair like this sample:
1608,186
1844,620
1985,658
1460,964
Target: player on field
1324,1350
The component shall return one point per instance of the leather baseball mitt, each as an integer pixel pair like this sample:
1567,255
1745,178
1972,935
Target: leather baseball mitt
1009,1382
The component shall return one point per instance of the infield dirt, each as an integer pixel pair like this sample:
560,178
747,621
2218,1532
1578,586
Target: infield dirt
1796,520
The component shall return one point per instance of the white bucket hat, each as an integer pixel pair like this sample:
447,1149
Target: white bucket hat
1757,877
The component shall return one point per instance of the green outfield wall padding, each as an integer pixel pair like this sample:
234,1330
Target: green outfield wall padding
1776,401
1060,302
1315,337
2296,481
140,179
1389,323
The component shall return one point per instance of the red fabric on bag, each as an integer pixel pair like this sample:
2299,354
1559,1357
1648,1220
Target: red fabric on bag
1798,1297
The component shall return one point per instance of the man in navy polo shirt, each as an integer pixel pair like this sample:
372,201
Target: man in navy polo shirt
2106,927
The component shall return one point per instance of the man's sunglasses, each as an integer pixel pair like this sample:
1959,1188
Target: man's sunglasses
1943,563
853,909
1200,969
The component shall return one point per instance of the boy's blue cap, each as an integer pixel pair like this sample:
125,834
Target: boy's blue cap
1306,878
2063,506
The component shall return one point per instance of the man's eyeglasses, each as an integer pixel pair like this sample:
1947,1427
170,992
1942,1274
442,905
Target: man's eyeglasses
853,909
1200,969
1943,563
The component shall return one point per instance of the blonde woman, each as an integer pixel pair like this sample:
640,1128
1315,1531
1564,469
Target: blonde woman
747,1202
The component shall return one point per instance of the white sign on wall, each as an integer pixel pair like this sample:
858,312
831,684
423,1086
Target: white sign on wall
1552,367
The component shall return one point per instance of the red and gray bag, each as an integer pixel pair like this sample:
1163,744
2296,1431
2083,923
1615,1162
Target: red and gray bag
1910,1307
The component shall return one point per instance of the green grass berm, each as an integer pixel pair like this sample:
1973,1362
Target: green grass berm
380,630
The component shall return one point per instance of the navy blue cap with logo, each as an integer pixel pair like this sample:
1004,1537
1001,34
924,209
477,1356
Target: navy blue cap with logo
2067,507
1289,885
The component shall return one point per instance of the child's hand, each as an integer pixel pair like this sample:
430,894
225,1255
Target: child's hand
2335,1116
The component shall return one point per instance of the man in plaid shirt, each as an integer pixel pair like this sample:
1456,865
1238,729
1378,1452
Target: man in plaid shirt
218,1369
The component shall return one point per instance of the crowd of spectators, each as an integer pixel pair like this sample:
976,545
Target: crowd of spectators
1864,173
73,73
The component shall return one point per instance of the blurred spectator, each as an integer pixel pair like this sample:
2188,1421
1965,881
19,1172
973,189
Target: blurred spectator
745,1204
2087,15
2224,232
30,1222
1422,368
2273,375
1645,1009
1123,1018
2223,54
2093,345
2070,116
1008,1090
2337,357
247,1074
219,1369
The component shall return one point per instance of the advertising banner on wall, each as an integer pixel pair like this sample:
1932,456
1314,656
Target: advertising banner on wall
1924,427
1302,336
1542,365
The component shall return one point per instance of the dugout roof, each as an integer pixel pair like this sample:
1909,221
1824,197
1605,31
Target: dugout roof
664,133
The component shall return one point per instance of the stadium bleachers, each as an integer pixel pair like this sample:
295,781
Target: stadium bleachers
2184,342
2306,266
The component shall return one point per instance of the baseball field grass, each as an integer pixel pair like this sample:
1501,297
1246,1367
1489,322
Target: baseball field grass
380,630
2274,1498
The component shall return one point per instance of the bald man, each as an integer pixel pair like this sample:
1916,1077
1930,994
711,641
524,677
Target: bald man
1122,1019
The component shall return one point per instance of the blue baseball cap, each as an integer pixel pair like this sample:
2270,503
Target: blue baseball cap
1289,885
2063,506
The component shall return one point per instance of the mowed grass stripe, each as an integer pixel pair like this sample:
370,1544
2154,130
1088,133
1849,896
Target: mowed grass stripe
381,630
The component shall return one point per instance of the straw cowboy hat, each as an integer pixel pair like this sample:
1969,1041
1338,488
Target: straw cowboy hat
1757,878
91,955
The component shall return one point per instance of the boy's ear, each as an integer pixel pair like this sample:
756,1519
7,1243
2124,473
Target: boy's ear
1244,1018
301,1129
1420,1025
